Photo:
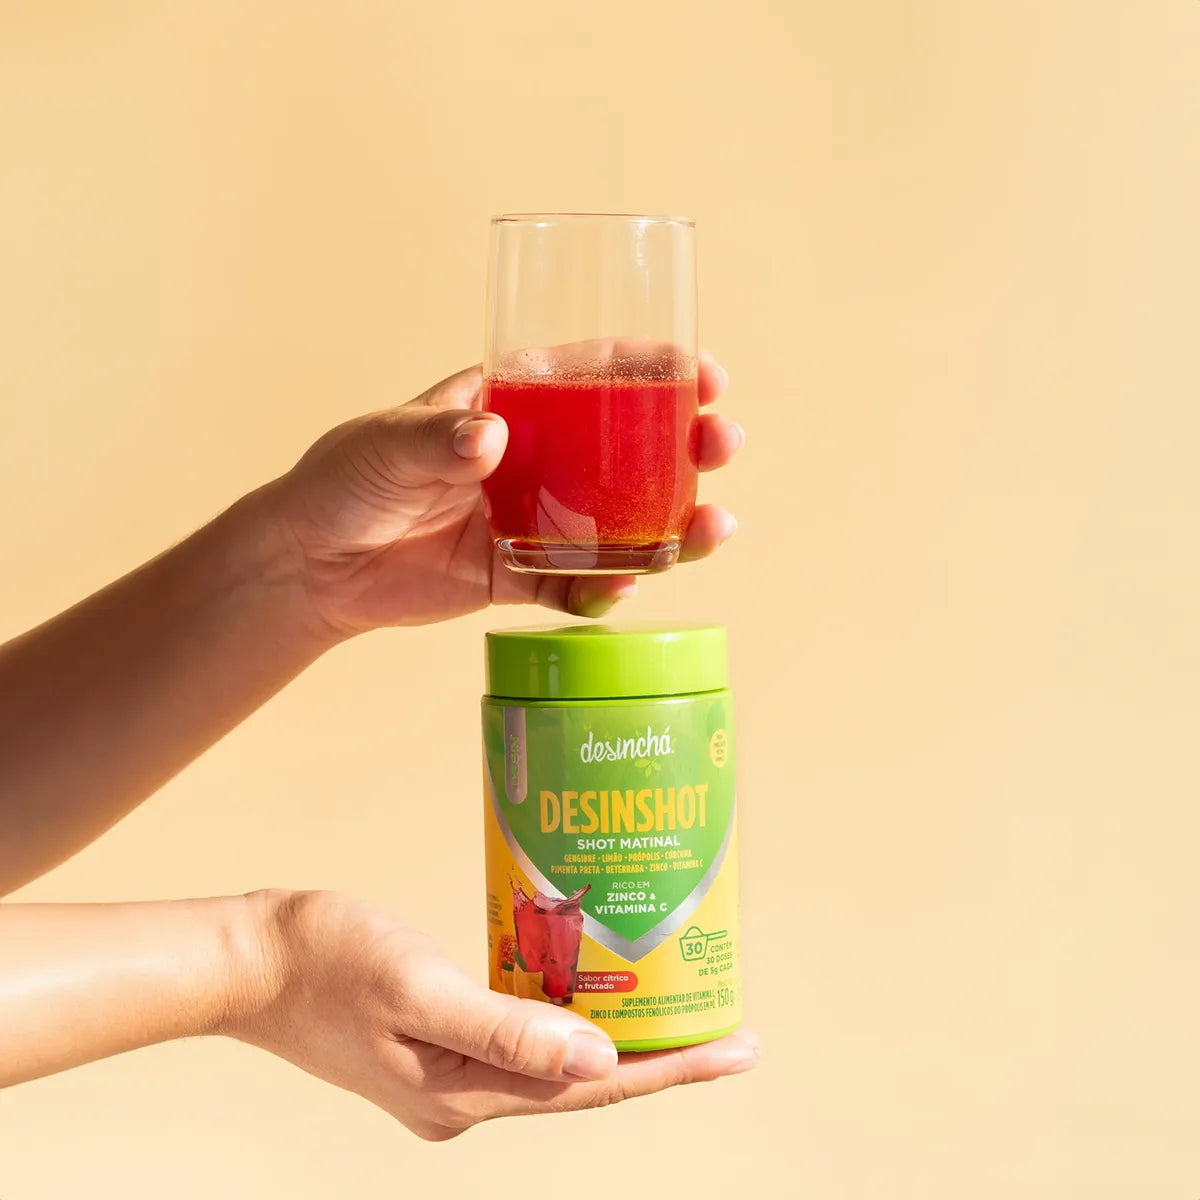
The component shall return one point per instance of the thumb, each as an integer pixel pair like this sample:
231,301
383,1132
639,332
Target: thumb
420,445
527,1037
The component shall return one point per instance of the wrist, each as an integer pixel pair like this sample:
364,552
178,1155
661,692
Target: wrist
260,549
255,974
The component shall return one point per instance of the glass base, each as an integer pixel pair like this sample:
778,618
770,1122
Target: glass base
545,558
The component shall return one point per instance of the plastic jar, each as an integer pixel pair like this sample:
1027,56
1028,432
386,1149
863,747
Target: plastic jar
611,841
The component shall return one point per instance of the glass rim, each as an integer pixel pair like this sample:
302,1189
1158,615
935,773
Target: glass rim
556,218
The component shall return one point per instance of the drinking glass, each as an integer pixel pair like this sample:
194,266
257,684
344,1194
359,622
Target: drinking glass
591,359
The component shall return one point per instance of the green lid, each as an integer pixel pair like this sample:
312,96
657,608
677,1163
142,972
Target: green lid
592,662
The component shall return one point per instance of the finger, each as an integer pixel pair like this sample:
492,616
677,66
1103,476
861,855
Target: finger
492,1093
417,445
645,1074
712,378
719,440
518,1037
585,595
711,526
461,390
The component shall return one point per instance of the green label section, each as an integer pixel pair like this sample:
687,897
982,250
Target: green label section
633,802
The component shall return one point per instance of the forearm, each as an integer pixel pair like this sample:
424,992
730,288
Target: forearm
102,705
82,982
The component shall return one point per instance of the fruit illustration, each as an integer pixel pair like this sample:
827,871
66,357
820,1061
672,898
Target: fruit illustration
506,944
528,984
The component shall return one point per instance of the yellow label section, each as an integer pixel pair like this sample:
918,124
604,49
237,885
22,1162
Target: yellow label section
685,989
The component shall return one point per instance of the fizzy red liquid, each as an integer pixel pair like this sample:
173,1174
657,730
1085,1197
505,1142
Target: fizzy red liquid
594,462
549,931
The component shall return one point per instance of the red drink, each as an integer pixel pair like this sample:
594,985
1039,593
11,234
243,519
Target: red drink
548,936
599,475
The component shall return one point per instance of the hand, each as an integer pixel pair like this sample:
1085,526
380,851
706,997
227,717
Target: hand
365,1002
386,514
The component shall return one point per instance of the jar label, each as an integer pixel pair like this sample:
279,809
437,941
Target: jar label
629,807
611,845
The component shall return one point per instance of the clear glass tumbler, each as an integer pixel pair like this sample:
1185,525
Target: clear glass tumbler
591,359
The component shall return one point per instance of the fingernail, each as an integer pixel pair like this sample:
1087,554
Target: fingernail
469,437
741,1050
741,434
730,1055
724,374
595,599
751,1040
589,1056
731,527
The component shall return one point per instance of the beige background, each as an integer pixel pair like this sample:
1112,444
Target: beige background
950,255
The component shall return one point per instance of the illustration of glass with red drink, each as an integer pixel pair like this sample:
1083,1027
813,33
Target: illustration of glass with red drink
549,932
591,358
